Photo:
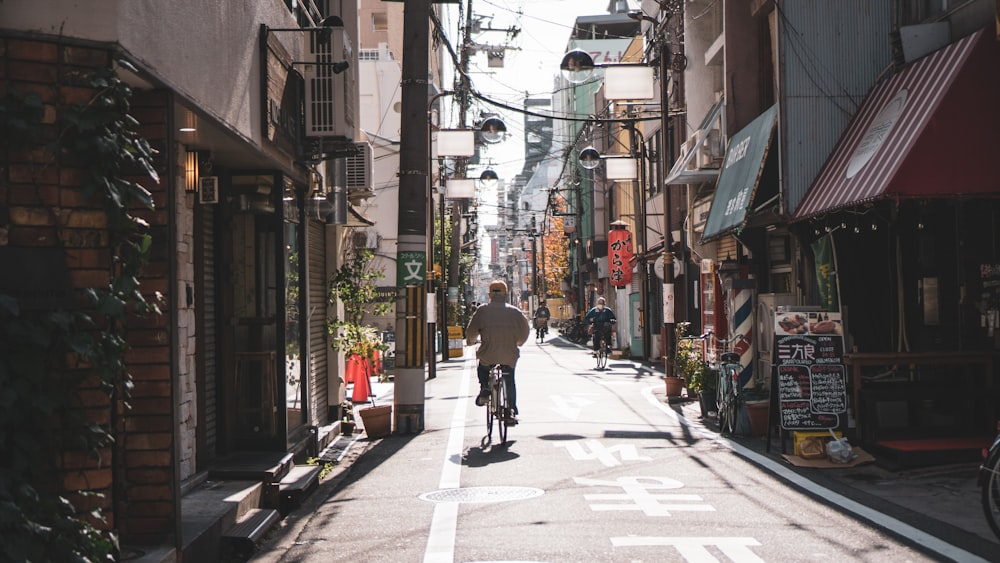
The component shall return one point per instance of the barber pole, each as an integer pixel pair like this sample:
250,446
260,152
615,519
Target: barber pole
742,319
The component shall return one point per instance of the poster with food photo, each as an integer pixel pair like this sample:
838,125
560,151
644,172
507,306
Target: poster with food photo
819,322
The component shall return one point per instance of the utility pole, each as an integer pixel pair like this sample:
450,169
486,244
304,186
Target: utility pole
449,314
413,221
668,257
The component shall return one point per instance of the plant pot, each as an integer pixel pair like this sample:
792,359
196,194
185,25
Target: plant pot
377,420
757,412
674,385
347,427
707,402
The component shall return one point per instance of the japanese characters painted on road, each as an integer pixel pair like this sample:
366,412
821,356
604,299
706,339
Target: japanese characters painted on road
619,255
811,378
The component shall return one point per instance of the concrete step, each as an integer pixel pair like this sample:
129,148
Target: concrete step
300,482
241,539
210,509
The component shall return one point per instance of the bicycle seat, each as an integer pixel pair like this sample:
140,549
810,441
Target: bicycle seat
730,358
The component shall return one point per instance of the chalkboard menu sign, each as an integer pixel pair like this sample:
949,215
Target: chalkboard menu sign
811,379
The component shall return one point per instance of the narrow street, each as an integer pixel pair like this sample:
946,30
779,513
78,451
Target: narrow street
600,468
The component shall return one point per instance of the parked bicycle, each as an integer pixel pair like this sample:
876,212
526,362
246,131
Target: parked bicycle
499,408
574,330
728,392
989,483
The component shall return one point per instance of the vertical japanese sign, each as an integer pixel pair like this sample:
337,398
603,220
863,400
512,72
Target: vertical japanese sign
619,256
812,380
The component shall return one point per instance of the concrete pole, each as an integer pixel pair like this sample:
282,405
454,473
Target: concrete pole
413,219
668,257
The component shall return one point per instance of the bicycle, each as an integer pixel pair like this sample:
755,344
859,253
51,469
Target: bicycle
541,328
728,391
989,483
499,407
602,350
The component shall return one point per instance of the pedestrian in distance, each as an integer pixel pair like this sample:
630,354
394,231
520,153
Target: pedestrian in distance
542,316
501,329
599,320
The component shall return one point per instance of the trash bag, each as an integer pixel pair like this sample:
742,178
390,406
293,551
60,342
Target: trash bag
839,450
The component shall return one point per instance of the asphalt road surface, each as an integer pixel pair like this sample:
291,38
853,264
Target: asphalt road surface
600,468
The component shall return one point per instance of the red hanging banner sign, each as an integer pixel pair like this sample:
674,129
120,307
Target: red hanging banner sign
619,255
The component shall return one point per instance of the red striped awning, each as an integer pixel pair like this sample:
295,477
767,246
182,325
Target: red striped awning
930,131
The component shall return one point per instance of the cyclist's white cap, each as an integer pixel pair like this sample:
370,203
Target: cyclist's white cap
601,300
498,286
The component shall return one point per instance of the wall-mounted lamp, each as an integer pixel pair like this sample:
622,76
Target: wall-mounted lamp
191,173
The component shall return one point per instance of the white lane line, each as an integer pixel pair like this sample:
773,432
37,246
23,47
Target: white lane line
444,522
917,536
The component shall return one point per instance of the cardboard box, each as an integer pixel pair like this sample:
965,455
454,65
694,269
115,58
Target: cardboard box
798,436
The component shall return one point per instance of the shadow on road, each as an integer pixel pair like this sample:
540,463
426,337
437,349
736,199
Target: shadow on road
486,455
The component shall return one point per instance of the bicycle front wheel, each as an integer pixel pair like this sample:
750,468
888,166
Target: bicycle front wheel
727,402
991,492
602,357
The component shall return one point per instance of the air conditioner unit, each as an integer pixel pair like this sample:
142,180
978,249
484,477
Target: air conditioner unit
329,97
688,146
710,152
208,190
359,172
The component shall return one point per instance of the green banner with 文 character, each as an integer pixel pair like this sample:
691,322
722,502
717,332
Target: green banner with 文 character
411,268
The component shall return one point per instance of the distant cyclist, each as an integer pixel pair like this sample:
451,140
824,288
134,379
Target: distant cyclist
542,316
599,319
502,329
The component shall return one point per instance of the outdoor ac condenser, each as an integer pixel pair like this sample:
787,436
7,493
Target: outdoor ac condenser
329,96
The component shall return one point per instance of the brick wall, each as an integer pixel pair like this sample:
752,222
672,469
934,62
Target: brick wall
187,410
47,209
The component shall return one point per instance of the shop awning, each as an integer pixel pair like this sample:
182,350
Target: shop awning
740,175
683,172
930,131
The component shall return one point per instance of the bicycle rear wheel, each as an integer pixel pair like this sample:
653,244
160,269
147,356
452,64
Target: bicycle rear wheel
991,491
502,407
491,406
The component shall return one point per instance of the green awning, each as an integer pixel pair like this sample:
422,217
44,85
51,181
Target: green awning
740,175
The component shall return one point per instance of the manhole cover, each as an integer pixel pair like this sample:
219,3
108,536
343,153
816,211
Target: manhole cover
482,494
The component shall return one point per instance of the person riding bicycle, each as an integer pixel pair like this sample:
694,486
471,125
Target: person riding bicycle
542,316
502,329
599,319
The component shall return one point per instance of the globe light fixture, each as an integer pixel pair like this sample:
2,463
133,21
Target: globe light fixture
589,158
493,130
577,66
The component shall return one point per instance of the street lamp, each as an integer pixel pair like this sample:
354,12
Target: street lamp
629,83
457,143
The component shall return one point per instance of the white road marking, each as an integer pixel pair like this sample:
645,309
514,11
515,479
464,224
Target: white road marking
602,453
637,490
570,406
694,549
885,521
444,522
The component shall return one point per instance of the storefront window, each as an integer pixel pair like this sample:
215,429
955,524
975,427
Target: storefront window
295,384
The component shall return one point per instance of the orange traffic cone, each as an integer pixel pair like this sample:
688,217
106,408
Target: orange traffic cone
362,384
378,363
351,368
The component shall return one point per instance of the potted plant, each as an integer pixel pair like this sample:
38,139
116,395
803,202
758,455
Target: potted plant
353,286
757,400
687,363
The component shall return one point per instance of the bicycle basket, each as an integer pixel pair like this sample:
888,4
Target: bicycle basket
730,358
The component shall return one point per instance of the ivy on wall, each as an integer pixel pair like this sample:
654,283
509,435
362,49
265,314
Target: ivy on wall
45,356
